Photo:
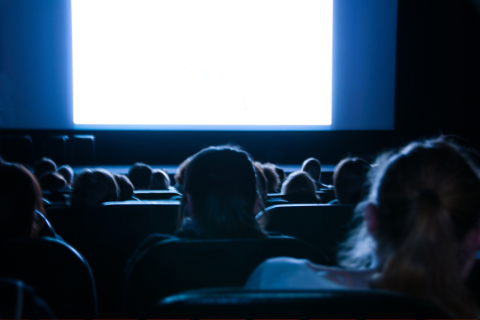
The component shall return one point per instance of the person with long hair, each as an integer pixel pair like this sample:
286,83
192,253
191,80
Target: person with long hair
220,199
419,235
220,195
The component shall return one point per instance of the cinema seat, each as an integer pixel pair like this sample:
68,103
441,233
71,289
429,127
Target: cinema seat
172,266
326,195
323,226
155,194
236,303
107,236
19,301
60,275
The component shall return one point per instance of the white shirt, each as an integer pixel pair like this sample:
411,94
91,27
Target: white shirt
301,274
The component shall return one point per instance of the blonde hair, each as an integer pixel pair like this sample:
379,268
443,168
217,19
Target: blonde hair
427,201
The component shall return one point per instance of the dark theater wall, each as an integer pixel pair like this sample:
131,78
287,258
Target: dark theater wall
438,67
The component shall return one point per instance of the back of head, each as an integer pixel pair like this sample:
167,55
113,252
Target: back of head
273,180
93,187
426,202
125,186
220,186
42,166
313,167
52,181
298,182
20,196
160,180
67,172
349,180
140,175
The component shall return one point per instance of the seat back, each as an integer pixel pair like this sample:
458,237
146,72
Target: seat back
324,304
20,301
323,226
327,195
155,194
108,235
60,275
172,266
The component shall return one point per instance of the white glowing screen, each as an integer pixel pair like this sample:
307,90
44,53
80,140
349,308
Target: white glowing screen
202,62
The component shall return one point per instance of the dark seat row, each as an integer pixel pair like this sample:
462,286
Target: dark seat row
172,266
60,275
235,303
63,279
108,235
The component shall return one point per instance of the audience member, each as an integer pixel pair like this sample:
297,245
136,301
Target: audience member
220,198
179,175
419,236
52,181
349,180
221,195
21,205
313,167
140,175
273,180
299,188
160,180
42,166
67,172
125,187
93,187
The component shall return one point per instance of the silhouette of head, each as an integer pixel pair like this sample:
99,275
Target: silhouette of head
125,186
313,167
42,166
298,182
140,175
67,172
349,180
160,180
220,193
93,187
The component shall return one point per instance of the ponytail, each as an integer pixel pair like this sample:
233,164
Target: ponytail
424,264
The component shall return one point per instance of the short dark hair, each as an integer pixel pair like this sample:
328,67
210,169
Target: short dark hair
67,172
125,186
298,182
313,167
349,180
221,183
51,181
93,187
42,166
160,180
140,174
